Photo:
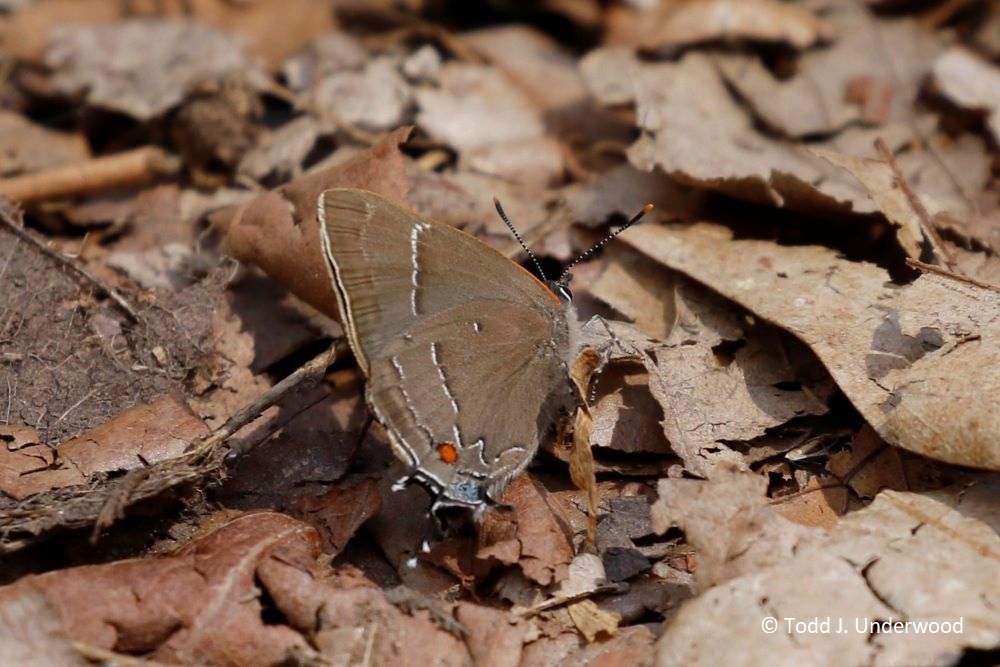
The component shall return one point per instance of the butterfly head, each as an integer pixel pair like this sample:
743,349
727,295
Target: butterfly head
561,288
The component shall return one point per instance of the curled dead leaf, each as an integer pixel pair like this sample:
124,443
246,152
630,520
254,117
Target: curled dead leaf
279,230
681,24
911,358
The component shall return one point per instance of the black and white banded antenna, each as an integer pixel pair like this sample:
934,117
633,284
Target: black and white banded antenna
563,280
510,226
561,286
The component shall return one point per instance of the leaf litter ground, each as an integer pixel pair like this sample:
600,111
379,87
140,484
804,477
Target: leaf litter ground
795,418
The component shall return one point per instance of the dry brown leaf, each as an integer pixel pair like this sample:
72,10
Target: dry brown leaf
870,466
535,63
298,449
715,376
533,534
339,512
465,199
581,459
229,382
494,127
816,504
970,82
32,635
914,218
352,622
375,98
951,171
622,191
494,638
880,181
729,521
931,557
26,146
592,621
585,575
136,437
216,600
698,134
631,646
197,606
547,74
626,416
331,52
281,152
273,30
872,74
631,285
350,619
279,231
686,23
102,61
913,359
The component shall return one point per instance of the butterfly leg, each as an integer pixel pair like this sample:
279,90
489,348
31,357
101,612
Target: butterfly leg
612,347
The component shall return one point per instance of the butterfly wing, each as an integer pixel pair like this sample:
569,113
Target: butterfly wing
482,380
391,266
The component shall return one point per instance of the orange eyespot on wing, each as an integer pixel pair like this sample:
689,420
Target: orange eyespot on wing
447,452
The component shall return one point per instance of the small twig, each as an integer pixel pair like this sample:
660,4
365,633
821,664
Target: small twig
413,27
136,485
251,411
74,406
943,13
113,508
106,657
11,218
576,597
135,167
930,268
930,231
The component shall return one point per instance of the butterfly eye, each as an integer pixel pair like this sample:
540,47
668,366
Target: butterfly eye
561,289
447,452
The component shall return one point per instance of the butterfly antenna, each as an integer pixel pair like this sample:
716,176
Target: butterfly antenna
564,278
510,226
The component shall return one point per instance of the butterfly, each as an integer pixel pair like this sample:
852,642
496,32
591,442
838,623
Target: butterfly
466,353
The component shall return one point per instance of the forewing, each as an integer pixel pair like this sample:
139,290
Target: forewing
485,377
392,266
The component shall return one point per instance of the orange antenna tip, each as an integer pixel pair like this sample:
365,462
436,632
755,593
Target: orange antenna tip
647,208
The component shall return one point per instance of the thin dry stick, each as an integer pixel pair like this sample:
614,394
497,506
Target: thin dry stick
129,488
937,244
106,657
135,167
930,268
412,27
11,218
312,370
559,601
938,17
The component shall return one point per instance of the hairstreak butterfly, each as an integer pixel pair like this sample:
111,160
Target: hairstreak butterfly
466,353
